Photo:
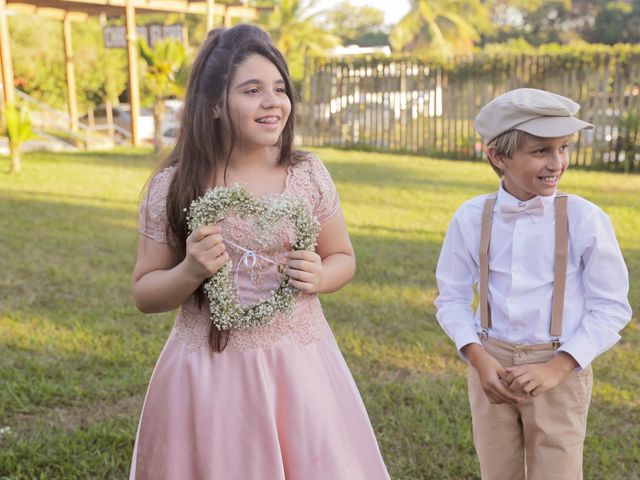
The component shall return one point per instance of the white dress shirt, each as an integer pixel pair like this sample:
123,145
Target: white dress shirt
521,257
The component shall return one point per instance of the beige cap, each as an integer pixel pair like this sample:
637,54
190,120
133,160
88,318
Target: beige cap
540,113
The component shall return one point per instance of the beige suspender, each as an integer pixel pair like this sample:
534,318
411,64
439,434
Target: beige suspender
560,264
485,235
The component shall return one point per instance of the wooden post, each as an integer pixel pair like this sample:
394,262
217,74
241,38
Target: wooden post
210,10
8,89
71,76
134,88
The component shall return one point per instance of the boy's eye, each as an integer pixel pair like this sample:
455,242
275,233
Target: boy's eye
281,90
251,90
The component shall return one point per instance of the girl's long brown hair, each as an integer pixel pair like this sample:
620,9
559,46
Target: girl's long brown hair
205,142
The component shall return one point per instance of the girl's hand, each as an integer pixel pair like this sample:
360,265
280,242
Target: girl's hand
304,269
205,252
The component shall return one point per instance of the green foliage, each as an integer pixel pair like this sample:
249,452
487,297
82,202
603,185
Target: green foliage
38,57
295,34
359,25
497,57
617,22
439,25
629,140
163,63
76,357
18,125
537,21
165,74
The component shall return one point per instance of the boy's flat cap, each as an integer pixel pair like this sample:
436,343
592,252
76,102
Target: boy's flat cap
540,113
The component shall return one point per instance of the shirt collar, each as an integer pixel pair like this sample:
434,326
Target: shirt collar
505,198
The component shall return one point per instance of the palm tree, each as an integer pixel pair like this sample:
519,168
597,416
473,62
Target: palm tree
295,34
163,63
440,26
19,129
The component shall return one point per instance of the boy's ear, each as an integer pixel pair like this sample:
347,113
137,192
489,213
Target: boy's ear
496,159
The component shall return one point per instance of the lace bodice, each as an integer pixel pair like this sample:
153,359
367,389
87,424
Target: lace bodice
309,180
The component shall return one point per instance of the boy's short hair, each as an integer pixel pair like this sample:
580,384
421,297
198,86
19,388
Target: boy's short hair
539,113
506,144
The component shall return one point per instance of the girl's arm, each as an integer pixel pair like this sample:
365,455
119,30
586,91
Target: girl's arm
161,282
331,266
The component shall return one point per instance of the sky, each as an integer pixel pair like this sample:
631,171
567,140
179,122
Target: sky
393,10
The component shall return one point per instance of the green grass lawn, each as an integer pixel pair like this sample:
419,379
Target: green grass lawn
75,355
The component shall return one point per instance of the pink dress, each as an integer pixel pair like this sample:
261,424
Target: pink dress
279,402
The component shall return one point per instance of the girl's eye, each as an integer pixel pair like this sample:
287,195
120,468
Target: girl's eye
564,148
540,151
281,90
252,91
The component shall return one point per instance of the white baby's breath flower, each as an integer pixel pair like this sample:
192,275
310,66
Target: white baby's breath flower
224,304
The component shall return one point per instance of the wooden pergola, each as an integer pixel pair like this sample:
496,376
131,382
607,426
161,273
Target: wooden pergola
79,10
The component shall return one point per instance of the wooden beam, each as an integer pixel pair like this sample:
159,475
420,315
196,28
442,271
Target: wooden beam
117,7
71,74
57,8
245,13
134,87
8,89
211,4
227,18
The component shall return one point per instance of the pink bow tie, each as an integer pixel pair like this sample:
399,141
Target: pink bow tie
533,207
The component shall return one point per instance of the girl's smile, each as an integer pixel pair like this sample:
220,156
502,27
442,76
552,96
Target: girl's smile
259,105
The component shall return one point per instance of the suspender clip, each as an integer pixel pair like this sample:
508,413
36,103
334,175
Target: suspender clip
555,342
484,334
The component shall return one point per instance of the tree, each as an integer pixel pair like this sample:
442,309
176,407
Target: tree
362,26
617,22
163,62
295,34
440,26
559,21
39,63
18,129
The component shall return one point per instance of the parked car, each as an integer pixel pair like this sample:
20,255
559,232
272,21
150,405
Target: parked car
122,119
171,120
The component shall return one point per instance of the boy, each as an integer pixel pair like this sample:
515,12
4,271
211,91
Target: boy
553,293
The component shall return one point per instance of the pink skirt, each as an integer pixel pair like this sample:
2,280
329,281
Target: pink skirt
290,411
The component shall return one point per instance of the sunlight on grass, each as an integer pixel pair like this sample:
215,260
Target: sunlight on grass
75,355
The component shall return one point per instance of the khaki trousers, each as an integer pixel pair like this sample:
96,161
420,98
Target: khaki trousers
540,439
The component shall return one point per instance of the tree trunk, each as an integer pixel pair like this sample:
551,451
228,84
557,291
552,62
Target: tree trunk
158,113
15,158
110,130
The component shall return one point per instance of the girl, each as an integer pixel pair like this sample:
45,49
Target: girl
267,402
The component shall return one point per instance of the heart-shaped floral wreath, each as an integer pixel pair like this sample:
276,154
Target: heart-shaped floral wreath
213,206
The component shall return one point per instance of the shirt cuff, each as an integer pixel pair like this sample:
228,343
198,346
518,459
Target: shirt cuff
581,349
464,340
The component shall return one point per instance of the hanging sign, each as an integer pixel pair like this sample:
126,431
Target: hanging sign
116,36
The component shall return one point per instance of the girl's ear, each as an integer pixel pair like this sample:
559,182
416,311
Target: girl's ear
216,112
496,159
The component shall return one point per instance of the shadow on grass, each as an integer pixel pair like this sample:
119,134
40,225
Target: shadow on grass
119,157
60,197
